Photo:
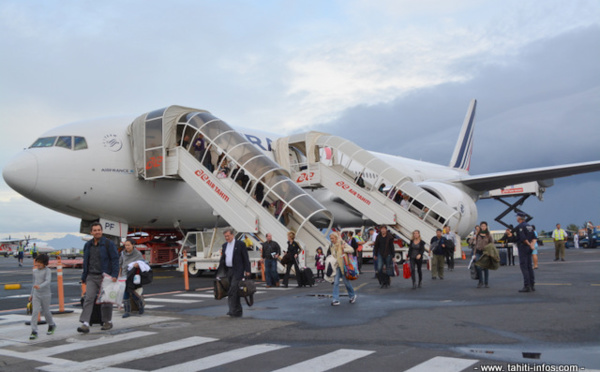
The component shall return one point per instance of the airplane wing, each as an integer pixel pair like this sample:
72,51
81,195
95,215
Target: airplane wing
11,241
490,181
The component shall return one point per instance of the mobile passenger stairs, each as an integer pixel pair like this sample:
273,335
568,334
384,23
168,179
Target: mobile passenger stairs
323,160
242,189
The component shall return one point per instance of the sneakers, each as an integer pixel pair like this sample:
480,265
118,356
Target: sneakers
126,315
51,329
106,326
33,336
353,299
525,289
335,303
83,329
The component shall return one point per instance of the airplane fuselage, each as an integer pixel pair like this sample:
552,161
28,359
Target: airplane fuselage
100,182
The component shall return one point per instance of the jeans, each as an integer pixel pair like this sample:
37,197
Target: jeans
271,272
483,279
414,263
336,285
387,262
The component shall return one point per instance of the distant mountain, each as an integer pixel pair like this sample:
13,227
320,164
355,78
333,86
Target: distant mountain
66,242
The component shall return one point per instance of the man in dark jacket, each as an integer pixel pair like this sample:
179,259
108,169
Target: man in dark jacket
270,254
437,257
100,257
234,258
525,239
383,251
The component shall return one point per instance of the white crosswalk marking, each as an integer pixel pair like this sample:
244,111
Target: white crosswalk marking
85,344
171,300
99,363
328,361
196,295
222,358
443,364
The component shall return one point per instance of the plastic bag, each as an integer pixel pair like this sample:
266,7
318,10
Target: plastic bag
111,292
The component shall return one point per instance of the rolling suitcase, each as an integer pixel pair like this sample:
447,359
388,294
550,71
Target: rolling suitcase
503,256
96,317
306,277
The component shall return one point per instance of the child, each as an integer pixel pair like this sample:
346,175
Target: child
40,295
320,260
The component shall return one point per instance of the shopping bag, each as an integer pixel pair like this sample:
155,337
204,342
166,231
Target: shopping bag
111,292
406,270
351,270
396,269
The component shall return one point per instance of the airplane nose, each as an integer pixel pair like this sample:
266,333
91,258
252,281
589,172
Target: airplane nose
21,173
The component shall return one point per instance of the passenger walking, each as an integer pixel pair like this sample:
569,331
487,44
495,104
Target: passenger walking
371,243
320,263
235,262
293,249
560,237
384,252
449,247
471,240
437,255
525,238
40,295
483,238
130,255
508,239
338,249
416,249
270,255
359,251
100,257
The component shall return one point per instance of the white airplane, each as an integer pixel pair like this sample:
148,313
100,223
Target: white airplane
10,246
88,170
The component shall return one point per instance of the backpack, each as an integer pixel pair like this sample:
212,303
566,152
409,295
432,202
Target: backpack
450,245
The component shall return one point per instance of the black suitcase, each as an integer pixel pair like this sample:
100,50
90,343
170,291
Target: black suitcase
96,317
306,277
503,256
384,278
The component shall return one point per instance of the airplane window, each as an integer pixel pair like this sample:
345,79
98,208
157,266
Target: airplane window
64,141
44,142
80,143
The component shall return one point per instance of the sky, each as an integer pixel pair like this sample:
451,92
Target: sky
394,76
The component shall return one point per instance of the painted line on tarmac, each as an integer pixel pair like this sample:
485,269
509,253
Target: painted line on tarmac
444,364
222,358
328,361
171,300
559,284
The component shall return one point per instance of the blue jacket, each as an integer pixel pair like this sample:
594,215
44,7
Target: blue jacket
108,255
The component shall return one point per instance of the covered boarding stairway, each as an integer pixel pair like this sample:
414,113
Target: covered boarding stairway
241,183
322,160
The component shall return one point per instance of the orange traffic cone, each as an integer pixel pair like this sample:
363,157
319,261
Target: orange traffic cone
463,255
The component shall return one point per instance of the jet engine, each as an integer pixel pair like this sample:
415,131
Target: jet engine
457,199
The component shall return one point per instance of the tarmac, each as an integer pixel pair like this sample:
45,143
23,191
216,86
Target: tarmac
447,325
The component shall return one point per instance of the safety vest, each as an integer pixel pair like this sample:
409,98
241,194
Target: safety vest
35,249
21,248
559,234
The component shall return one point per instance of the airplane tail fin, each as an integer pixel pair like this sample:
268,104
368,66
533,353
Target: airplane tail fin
461,158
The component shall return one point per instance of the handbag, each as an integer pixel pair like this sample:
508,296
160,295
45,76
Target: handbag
220,288
287,259
473,270
406,270
247,289
350,267
396,269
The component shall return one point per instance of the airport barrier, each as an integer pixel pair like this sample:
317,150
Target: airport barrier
60,286
185,271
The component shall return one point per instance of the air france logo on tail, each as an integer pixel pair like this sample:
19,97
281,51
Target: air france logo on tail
461,158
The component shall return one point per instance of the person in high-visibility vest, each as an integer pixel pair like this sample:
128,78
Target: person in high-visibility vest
21,253
34,251
560,237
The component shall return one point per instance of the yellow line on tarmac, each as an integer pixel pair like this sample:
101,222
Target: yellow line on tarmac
567,284
595,285
360,286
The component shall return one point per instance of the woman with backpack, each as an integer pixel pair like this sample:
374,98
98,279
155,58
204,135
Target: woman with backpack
481,240
337,250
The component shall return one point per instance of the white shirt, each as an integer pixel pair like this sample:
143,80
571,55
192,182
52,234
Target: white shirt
404,204
229,254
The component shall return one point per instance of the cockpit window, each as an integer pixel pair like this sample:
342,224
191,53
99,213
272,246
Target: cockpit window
44,142
64,141
67,142
80,143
